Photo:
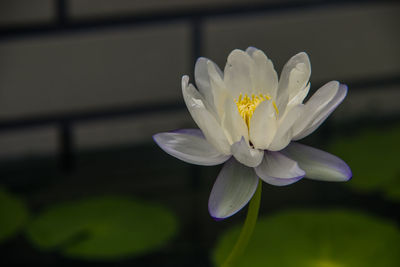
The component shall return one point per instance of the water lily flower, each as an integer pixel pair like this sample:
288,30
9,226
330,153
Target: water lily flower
250,121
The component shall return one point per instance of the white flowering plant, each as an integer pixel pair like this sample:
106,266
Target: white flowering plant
251,121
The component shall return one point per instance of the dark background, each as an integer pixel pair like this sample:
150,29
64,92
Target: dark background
84,85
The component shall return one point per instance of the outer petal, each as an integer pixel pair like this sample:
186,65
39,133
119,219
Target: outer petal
265,77
238,73
245,154
233,124
284,133
316,119
190,146
277,169
318,165
263,125
233,189
294,78
203,118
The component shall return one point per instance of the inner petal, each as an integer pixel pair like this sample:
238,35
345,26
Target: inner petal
247,105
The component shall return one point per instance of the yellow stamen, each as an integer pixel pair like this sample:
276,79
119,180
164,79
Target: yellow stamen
247,105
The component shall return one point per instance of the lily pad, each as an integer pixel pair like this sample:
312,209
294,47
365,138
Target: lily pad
373,158
13,215
103,228
307,238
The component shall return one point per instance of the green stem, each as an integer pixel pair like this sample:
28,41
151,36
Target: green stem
247,230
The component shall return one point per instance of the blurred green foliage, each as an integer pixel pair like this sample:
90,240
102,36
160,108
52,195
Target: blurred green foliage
373,156
310,238
103,228
13,214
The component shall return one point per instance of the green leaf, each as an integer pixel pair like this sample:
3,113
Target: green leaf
311,238
103,228
13,215
373,157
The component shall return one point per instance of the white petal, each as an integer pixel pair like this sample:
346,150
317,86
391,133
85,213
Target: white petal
294,78
218,86
190,146
318,164
233,189
202,78
233,124
238,73
298,99
277,169
316,119
263,125
245,154
319,100
203,118
284,133
265,77
251,49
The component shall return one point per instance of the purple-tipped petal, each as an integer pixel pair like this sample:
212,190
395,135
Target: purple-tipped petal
279,170
190,146
318,164
245,154
233,189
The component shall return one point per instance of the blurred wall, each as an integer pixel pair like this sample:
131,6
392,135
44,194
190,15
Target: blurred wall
69,57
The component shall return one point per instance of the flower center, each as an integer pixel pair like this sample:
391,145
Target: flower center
247,105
